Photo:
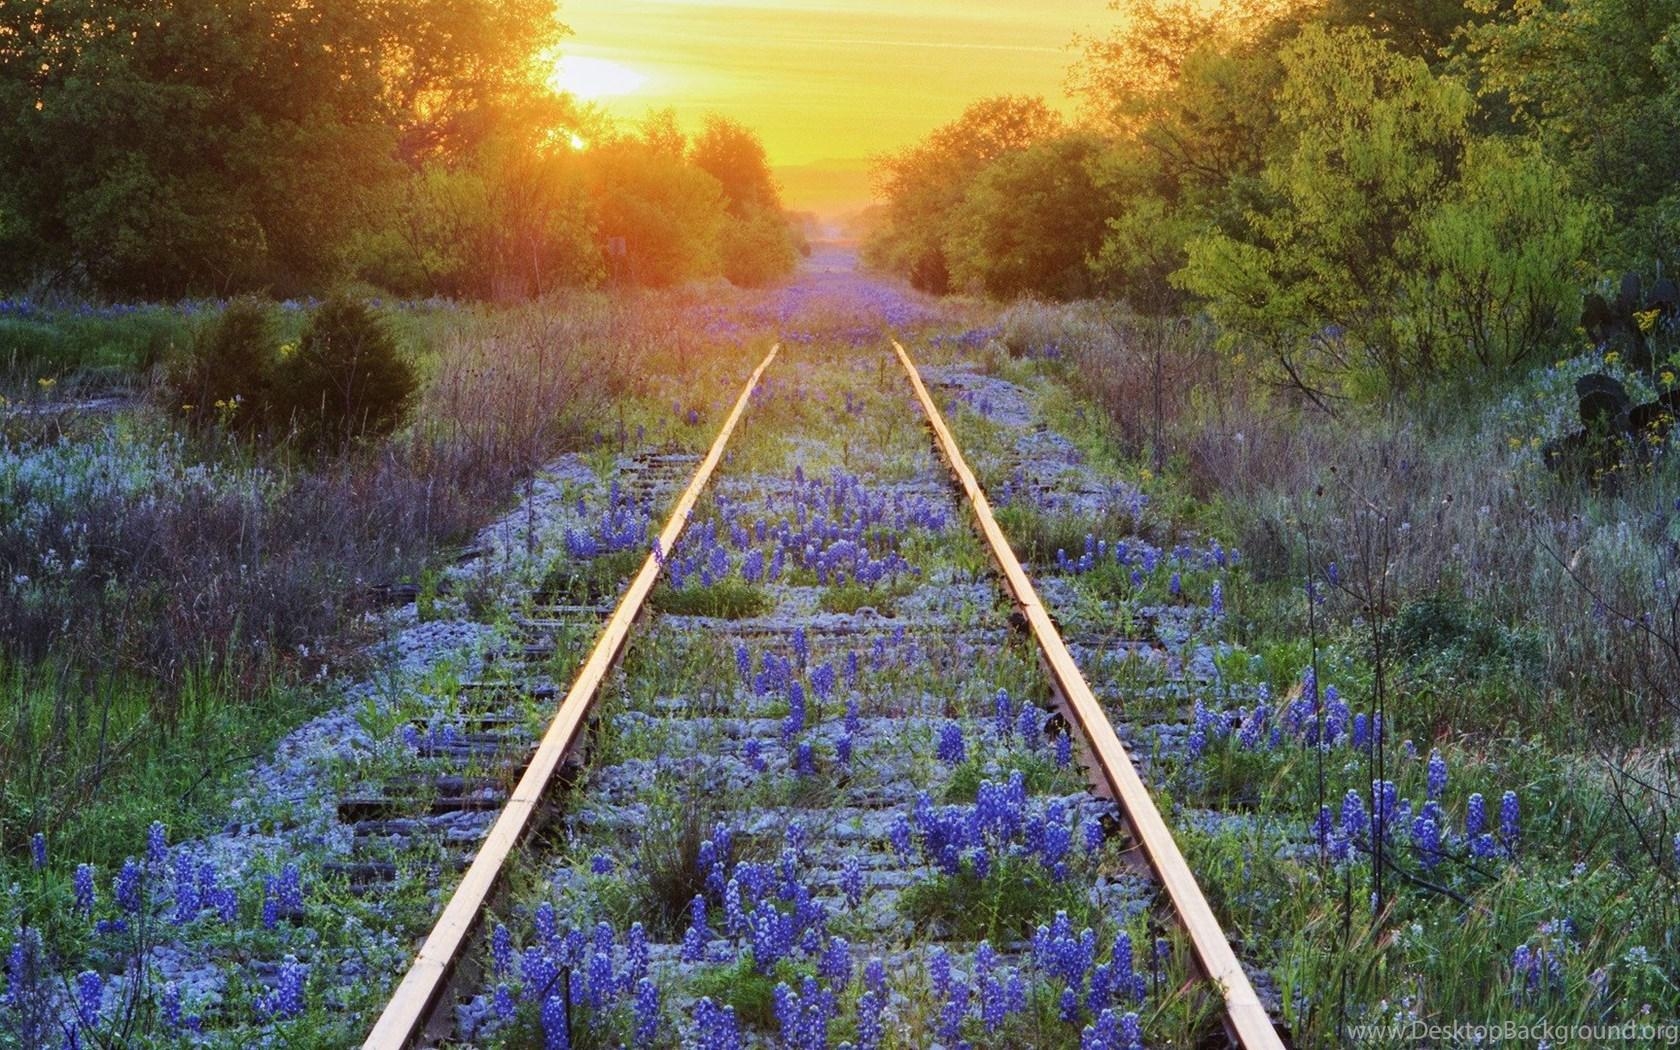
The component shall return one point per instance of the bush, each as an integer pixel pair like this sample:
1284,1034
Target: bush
346,381
228,379
758,250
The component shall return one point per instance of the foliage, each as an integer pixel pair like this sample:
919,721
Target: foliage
925,184
1501,261
228,378
346,381
1596,83
670,213
124,168
757,249
1028,221
1375,140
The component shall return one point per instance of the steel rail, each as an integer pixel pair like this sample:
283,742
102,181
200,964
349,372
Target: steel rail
1245,1016
409,1013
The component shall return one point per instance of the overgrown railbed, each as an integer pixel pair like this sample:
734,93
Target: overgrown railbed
1502,849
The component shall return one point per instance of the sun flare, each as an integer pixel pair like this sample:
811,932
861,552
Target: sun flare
591,79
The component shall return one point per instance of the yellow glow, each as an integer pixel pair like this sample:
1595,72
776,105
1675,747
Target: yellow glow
591,79
827,84
579,142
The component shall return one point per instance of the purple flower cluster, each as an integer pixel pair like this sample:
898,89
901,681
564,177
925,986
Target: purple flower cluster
167,884
836,530
1002,822
619,526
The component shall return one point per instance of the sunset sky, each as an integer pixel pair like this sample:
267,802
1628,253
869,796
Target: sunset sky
827,84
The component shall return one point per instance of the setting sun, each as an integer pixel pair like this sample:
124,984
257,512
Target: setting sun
591,79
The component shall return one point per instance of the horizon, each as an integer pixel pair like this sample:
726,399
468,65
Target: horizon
806,75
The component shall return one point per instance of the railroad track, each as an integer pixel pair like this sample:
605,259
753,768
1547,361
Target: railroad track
834,785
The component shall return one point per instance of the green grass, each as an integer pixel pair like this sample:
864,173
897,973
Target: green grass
752,994
68,345
1014,898
849,597
728,600
92,764
592,581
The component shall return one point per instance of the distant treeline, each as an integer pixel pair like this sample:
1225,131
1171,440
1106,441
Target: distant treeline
203,147
1362,195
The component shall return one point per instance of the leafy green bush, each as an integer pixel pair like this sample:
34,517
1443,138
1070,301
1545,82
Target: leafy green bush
228,378
758,250
346,381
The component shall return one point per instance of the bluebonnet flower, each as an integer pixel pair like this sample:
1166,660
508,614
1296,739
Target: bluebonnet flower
1677,850
187,901
157,842
1216,599
696,936
543,920
753,752
875,976
899,836
646,1012
599,983
38,850
1426,838
288,891
939,973
1028,725
804,1016
1508,818
636,958
1475,816
289,996
501,951
843,749
835,966
951,749
743,661
853,720
1437,776
84,888
822,681
537,971
556,1024
90,998
170,1007
871,1021
1094,835
1361,730
502,1003
851,881
1064,751
1003,717
794,724
801,646
1355,821
716,1026
600,864
804,763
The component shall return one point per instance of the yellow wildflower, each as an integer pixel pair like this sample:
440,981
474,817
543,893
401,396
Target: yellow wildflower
1647,319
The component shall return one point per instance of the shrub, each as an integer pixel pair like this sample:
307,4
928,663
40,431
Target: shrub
228,378
758,250
346,381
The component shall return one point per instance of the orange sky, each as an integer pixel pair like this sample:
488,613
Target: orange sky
827,84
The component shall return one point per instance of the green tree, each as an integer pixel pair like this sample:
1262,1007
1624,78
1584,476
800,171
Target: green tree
1375,140
925,184
1598,83
670,213
203,146
1502,261
346,381
1029,221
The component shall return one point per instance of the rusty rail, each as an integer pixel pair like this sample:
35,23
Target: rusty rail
1245,1016
409,1014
